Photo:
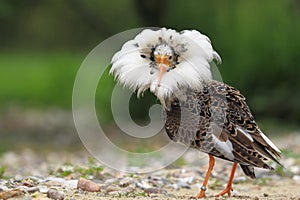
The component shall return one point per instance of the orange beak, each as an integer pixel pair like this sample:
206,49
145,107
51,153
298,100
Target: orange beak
163,64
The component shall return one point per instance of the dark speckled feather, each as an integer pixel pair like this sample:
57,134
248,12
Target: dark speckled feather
217,120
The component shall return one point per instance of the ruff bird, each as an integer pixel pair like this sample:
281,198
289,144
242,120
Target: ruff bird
201,112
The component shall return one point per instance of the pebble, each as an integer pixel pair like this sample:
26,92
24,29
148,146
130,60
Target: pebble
111,188
55,194
155,178
72,184
295,169
198,186
110,181
114,184
33,189
18,178
56,179
117,193
3,188
126,182
143,185
87,185
157,181
11,194
296,178
155,191
43,189
187,180
130,189
240,179
35,179
175,186
183,185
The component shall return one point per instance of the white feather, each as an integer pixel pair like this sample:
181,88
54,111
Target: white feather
270,142
204,43
195,55
225,148
246,134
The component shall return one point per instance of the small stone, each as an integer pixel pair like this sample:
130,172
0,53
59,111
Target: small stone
11,182
295,169
198,186
11,194
3,188
240,179
187,180
143,185
183,185
130,189
175,186
35,179
88,185
110,181
18,178
154,191
32,189
28,184
72,184
296,178
266,195
56,179
43,189
155,178
55,194
23,188
256,198
116,193
126,182
111,188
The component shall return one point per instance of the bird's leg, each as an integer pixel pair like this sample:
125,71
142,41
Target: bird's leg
210,167
228,188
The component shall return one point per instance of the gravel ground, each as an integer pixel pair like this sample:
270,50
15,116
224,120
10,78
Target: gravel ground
38,171
62,175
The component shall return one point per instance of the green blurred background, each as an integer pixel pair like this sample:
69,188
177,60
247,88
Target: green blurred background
44,42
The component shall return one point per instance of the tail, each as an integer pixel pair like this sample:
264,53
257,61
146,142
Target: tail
248,170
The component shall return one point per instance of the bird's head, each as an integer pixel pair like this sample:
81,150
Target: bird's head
164,61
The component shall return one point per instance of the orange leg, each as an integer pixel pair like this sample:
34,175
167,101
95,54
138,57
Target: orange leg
210,167
228,188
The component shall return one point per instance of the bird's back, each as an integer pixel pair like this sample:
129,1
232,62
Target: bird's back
217,120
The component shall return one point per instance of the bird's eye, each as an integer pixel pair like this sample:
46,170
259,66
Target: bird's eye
170,57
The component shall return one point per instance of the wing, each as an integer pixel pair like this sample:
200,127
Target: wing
250,145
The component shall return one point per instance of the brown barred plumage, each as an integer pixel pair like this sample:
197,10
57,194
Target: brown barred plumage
219,111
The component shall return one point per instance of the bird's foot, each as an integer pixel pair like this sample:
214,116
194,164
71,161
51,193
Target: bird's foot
227,190
201,193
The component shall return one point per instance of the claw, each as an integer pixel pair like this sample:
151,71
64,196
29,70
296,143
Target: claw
227,191
201,194
228,188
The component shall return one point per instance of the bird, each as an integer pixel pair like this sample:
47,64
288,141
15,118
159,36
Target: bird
201,112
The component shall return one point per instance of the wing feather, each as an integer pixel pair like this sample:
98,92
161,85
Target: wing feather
250,145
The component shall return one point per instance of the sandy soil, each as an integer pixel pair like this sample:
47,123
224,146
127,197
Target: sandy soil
283,189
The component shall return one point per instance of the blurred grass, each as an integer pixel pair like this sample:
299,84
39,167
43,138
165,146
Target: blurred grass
258,42
45,79
38,79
